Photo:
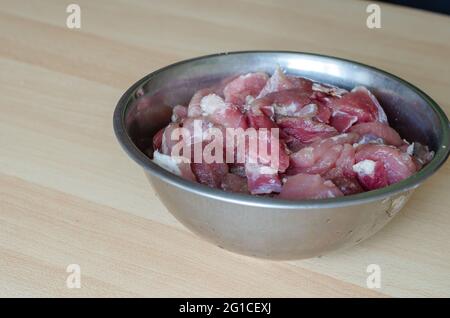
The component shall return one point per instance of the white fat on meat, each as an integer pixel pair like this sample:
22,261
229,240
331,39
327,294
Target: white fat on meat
212,103
248,101
364,167
329,89
169,163
382,118
286,110
267,170
309,110
410,149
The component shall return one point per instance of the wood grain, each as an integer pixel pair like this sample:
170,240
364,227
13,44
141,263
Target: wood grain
68,193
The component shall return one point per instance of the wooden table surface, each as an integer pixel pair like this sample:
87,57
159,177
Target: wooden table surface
70,195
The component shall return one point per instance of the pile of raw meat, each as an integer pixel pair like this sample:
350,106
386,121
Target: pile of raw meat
332,142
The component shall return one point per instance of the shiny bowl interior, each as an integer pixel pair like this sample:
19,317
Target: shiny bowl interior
410,111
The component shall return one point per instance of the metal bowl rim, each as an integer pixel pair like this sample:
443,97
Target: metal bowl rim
249,200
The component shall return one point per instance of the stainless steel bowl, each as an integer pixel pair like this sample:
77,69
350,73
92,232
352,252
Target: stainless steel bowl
265,227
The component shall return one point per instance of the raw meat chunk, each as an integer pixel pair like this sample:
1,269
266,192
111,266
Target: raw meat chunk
308,186
280,81
167,143
322,155
179,112
222,113
176,165
234,183
342,121
421,154
157,139
380,130
262,179
305,129
323,164
329,89
249,84
344,164
358,106
210,174
398,165
258,119
328,141
285,103
194,109
347,185
371,174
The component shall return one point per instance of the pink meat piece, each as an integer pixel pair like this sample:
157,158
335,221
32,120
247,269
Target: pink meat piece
342,121
206,126
384,131
258,119
230,117
234,183
157,139
284,103
176,165
294,144
210,174
357,106
373,175
194,109
305,129
308,186
319,162
222,113
186,171
194,134
179,112
346,161
262,179
420,153
301,83
310,110
249,84
328,89
398,165
261,171
347,185
167,143
323,113
363,92
370,139
324,155
344,164
293,103
321,166
291,100
267,110
262,111
280,81
262,154
237,169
